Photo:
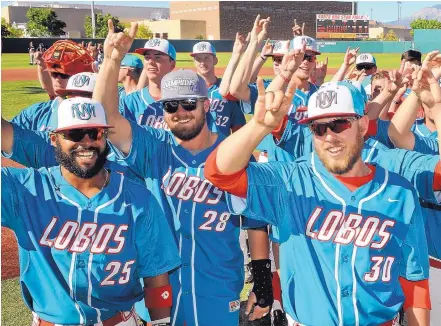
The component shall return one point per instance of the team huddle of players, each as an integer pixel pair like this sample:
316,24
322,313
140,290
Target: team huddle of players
132,198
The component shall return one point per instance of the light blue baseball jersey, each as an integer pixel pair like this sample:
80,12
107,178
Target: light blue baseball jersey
37,116
81,258
420,128
427,144
208,285
142,108
227,113
352,270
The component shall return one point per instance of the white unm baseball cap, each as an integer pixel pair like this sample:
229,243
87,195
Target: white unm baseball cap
336,99
159,45
83,82
311,44
79,113
280,48
203,48
365,59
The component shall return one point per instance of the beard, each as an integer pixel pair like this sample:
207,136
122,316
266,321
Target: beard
344,164
185,133
68,161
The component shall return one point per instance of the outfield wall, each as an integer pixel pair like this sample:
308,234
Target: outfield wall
424,41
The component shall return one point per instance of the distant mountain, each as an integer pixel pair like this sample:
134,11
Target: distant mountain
433,12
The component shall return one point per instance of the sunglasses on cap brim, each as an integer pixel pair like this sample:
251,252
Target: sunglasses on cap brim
77,135
190,104
365,67
336,126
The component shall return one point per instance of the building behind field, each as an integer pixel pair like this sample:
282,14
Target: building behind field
74,14
224,18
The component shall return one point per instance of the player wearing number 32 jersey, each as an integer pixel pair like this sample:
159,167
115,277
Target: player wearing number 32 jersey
352,242
86,233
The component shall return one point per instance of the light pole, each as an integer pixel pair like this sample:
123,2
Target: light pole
371,14
93,20
399,16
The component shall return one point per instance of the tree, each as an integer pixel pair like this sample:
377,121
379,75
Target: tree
390,36
199,37
44,22
5,28
144,31
101,25
424,24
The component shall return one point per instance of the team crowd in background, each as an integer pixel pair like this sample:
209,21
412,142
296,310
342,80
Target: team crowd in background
148,199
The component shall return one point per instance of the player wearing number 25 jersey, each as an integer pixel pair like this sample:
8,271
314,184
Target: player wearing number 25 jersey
351,234
86,233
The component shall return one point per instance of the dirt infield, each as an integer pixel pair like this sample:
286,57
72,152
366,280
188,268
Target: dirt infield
31,74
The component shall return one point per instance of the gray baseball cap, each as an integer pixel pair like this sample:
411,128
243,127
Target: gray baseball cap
183,84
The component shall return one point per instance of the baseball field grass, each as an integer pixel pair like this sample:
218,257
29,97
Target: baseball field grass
17,95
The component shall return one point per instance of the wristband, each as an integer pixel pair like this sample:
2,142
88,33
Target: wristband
161,322
262,288
263,57
416,94
160,297
286,80
396,102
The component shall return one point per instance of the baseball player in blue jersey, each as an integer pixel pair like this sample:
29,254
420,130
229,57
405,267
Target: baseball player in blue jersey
208,286
129,73
228,114
142,106
84,249
357,240
38,116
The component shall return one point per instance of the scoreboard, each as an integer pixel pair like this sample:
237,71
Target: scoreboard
342,26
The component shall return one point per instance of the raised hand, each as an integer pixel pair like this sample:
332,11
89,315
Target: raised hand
271,107
260,29
267,49
350,56
293,59
117,45
38,57
420,84
240,44
321,68
297,30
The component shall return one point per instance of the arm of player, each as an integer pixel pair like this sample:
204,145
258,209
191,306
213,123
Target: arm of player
238,49
7,136
418,317
348,61
290,62
261,297
116,46
158,297
143,80
239,83
234,152
260,61
44,76
376,106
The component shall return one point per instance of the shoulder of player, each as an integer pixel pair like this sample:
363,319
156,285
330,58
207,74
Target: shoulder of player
24,176
393,179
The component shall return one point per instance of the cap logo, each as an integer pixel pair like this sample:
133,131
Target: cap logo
81,81
179,82
308,41
83,111
56,54
153,43
277,46
325,99
201,47
364,57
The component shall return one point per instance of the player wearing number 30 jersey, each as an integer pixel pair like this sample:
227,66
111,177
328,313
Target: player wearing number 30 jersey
351,234
86,233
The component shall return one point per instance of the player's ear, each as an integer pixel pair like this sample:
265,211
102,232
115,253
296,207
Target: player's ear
216,60
206,105
173,64
53,138
363,124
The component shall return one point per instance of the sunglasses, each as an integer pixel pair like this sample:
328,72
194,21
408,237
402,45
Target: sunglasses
76,135
59,74
187,105
336,126
309,58
277,59
365,67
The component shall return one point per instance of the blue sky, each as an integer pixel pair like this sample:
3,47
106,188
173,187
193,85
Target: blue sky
381,10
